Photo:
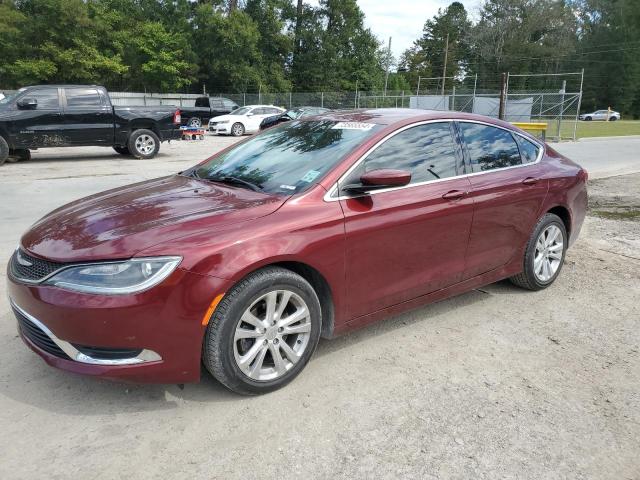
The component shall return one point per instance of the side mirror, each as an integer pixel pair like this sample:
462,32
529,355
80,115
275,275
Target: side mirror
379,179
250,114
27,103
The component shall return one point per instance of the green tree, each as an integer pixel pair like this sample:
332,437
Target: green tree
426,57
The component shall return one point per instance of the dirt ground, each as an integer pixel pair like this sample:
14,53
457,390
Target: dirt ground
497,383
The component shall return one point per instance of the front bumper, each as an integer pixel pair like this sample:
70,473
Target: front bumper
161,327
222,128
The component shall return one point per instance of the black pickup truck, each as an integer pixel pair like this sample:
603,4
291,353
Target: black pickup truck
74,115
206,108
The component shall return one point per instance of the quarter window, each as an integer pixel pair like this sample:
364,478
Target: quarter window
490,148
83,97
47,98
428,151
529,151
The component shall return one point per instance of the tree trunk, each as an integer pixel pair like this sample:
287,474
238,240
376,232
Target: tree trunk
233,5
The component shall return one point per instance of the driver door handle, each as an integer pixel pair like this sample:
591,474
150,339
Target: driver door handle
454,195
530,181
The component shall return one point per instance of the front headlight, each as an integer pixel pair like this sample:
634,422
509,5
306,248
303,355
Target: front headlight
115,278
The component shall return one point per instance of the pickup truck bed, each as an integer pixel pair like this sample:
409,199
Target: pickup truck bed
72,115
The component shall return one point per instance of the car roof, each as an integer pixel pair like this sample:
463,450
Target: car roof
261,106
390,116
63,86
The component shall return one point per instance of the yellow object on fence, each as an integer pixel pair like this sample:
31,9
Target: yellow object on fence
538,129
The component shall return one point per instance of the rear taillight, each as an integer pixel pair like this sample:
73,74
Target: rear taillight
177,118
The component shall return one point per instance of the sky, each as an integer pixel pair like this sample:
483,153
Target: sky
403,19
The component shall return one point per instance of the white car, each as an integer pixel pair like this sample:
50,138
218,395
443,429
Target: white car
600,115
242,120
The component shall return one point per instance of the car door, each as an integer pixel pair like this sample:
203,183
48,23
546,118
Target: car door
408,241
39,124
87,117
254,118
508,190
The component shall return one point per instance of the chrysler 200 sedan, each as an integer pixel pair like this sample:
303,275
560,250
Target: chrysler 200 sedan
308,230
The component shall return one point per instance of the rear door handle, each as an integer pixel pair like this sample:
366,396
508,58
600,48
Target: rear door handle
530,181
454,195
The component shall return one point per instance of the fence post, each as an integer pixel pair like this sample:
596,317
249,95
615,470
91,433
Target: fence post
322,99
453,99
290,104
503,94
244,98
575,125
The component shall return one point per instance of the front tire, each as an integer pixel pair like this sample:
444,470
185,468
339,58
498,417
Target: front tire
144,144
263,332
544,255
587,119
237,129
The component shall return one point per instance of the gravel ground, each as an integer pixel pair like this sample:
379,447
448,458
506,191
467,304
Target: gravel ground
496,383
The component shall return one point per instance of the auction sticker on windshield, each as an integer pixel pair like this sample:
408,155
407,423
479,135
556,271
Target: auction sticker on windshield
353,126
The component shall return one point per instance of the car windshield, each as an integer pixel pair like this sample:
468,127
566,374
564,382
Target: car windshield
240,111
295,113
286,159
7,98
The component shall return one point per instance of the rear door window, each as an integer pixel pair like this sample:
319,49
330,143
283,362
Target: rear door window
529,151
489,148
82,97
202,102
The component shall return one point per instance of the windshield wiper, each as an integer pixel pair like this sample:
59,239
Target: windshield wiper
235,181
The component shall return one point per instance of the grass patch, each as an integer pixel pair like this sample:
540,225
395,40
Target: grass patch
619,128
618,214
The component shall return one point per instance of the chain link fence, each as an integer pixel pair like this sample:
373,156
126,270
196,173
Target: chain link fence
555,100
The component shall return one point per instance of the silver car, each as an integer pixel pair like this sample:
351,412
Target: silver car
600,115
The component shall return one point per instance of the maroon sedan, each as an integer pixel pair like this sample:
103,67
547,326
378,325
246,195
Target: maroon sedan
309,229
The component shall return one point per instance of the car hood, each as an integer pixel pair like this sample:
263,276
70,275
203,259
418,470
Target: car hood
119,223
227,117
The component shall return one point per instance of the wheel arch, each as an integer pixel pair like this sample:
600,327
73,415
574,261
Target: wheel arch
312,275
143,123
564,214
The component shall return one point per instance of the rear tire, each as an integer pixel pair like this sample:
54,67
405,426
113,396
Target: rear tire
195,122
237,129
544,255
252,348
4,151
144,144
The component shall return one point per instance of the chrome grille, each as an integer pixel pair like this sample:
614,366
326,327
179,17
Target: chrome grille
31,269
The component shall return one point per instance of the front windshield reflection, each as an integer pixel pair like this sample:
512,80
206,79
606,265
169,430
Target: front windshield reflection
289,158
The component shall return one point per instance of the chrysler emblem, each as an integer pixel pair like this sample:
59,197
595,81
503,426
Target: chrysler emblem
23,261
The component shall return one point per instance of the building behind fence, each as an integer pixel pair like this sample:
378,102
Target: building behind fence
558,104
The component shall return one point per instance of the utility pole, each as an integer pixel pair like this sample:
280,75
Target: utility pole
444,69
386,77
503,94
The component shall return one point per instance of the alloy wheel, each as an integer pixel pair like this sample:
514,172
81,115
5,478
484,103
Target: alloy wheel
272,335
548,256
145,144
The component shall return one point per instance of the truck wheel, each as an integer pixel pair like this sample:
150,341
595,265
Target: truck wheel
237,129
194,122
144,144
122,150
4,151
